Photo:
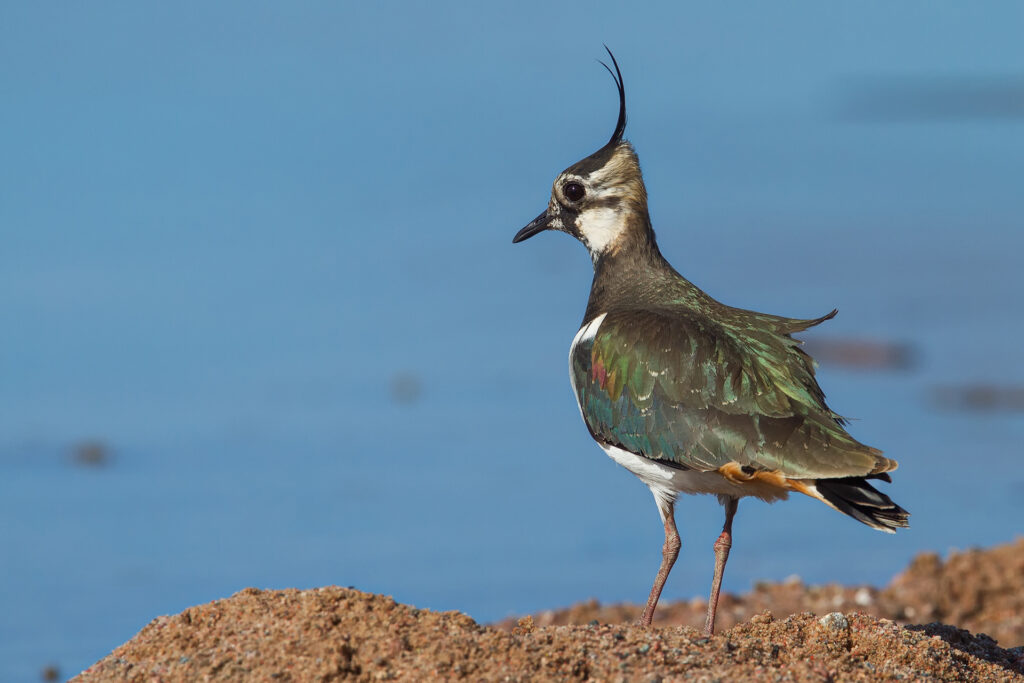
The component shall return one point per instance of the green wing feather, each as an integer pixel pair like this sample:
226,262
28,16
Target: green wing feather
676,386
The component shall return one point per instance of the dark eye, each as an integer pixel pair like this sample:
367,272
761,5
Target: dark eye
573,191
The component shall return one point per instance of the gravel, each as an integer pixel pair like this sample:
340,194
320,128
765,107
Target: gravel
334,633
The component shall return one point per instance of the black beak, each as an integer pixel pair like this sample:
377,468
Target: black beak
538,224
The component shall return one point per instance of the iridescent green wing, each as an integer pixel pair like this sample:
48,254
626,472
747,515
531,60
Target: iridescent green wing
680,387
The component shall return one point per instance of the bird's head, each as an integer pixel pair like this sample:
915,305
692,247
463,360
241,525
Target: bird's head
600,200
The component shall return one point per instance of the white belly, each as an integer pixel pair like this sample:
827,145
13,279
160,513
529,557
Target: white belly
667,482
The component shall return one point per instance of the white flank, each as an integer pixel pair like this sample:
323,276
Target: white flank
586,333
658,477
600,228
666,482
589,331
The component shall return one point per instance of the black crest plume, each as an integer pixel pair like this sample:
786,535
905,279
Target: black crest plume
620,126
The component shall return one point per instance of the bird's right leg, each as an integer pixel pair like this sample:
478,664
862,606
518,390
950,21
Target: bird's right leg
669,553
722,546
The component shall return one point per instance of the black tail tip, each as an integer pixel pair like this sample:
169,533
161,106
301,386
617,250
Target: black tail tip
855,497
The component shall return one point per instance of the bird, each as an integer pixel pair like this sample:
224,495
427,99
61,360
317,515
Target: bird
689,394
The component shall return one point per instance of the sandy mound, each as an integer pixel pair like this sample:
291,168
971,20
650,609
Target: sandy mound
979,590
334,633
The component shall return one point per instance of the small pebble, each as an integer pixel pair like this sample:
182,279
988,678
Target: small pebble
835,621
863,597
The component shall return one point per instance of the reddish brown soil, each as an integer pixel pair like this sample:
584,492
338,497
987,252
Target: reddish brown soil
335,633
978,590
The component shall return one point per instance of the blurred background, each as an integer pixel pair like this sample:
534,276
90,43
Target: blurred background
263,323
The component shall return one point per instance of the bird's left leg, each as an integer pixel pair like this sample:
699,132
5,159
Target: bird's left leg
722,546
669,553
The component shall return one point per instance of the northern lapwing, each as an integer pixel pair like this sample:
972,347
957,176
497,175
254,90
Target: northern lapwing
688,394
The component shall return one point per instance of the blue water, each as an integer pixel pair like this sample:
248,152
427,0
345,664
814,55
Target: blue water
263,253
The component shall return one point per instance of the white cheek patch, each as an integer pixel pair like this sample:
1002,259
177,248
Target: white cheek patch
600,228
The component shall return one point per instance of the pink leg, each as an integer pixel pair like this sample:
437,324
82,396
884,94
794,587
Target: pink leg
722,546
669,553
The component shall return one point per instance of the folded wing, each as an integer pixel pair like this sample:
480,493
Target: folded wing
678,387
